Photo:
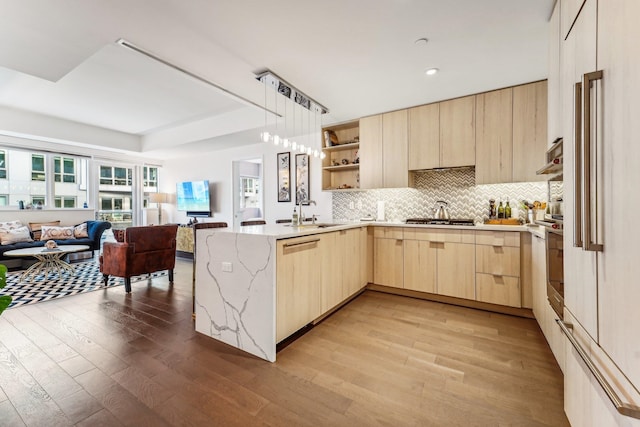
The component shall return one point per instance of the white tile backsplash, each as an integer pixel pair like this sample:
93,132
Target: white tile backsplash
455,186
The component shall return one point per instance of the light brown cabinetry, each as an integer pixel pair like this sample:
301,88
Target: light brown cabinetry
424,137
343,266
384,150
529,131
371,152
298,299
440,261
568,15
338,168
458,132
388,257
395,145
511,133
554,99
498,268
494,133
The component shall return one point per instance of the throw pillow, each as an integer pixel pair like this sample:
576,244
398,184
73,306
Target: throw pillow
119,235
10,225
36,228
80,231
56,233
15,235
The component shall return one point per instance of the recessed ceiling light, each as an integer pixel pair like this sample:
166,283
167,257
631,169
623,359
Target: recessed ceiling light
431,71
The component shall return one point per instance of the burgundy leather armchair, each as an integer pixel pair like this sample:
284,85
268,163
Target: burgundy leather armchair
145,250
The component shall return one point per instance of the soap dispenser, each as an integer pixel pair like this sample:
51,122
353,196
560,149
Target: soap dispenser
294,218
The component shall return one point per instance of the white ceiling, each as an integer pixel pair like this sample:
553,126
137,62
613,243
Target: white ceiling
356,57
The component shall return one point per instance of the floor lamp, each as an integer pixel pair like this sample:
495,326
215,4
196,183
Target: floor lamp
159,199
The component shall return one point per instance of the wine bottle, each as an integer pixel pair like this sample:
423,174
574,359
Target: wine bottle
507,210
500,210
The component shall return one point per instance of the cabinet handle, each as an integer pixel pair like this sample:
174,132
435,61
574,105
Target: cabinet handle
586,135
308,242
623,408
577,169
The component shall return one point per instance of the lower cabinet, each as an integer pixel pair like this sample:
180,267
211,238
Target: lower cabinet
439,261
542,310
315,274
298,296
498,268
388,257
344,265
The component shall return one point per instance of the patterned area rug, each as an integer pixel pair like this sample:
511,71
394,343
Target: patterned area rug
87,278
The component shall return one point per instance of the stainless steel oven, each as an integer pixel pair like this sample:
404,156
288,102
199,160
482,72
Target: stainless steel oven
555,270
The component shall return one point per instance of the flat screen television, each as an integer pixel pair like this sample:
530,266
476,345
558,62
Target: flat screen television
193,197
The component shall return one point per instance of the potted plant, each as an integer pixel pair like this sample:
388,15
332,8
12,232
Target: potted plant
5,300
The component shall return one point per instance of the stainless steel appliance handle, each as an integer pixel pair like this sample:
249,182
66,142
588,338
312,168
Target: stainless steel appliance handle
623,408
586,165
577,168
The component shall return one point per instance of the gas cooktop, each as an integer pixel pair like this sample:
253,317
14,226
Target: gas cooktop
434,221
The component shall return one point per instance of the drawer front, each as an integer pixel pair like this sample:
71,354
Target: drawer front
388,232
498,238
440,235
502,290
500,260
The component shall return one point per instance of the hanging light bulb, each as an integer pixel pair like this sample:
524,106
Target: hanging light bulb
265,136
276,140
309,151
316,153
294,145
302,148
323,155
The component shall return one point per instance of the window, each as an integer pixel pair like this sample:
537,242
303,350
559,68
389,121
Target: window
115,175
4,200
250,188
150,177
37,167
3,165
65,202
64,169
37,199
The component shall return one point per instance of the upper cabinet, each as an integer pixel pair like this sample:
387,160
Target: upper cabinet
371,152
494,135
529,131
554,99
442,134
384,150
511,134
458,132
424,137
395,147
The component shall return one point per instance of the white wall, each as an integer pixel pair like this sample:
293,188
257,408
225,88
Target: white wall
217,168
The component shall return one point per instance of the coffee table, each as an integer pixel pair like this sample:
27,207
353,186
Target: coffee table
48,260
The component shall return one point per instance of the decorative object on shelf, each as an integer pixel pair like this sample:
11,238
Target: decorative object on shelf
307,107
51,244
159,199
284,177
302,178
330,138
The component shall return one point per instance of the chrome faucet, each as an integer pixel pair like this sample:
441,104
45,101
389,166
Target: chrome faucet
306,203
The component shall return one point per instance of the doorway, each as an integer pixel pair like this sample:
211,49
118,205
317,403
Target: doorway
248,201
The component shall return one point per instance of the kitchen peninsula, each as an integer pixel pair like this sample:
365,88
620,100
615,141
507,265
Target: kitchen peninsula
257,285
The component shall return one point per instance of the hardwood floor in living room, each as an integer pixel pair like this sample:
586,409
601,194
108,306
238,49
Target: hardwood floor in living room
108,358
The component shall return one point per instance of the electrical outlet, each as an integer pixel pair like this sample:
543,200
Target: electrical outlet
351,205
360,204
227,267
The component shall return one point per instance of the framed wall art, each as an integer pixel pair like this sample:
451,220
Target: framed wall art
284,177
302,178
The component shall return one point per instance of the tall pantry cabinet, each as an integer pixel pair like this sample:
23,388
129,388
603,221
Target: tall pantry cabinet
601,131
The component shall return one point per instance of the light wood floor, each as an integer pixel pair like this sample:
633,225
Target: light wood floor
106,359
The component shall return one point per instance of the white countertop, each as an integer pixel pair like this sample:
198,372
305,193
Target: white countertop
286,231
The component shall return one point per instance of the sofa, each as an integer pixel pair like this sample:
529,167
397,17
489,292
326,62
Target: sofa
94,230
